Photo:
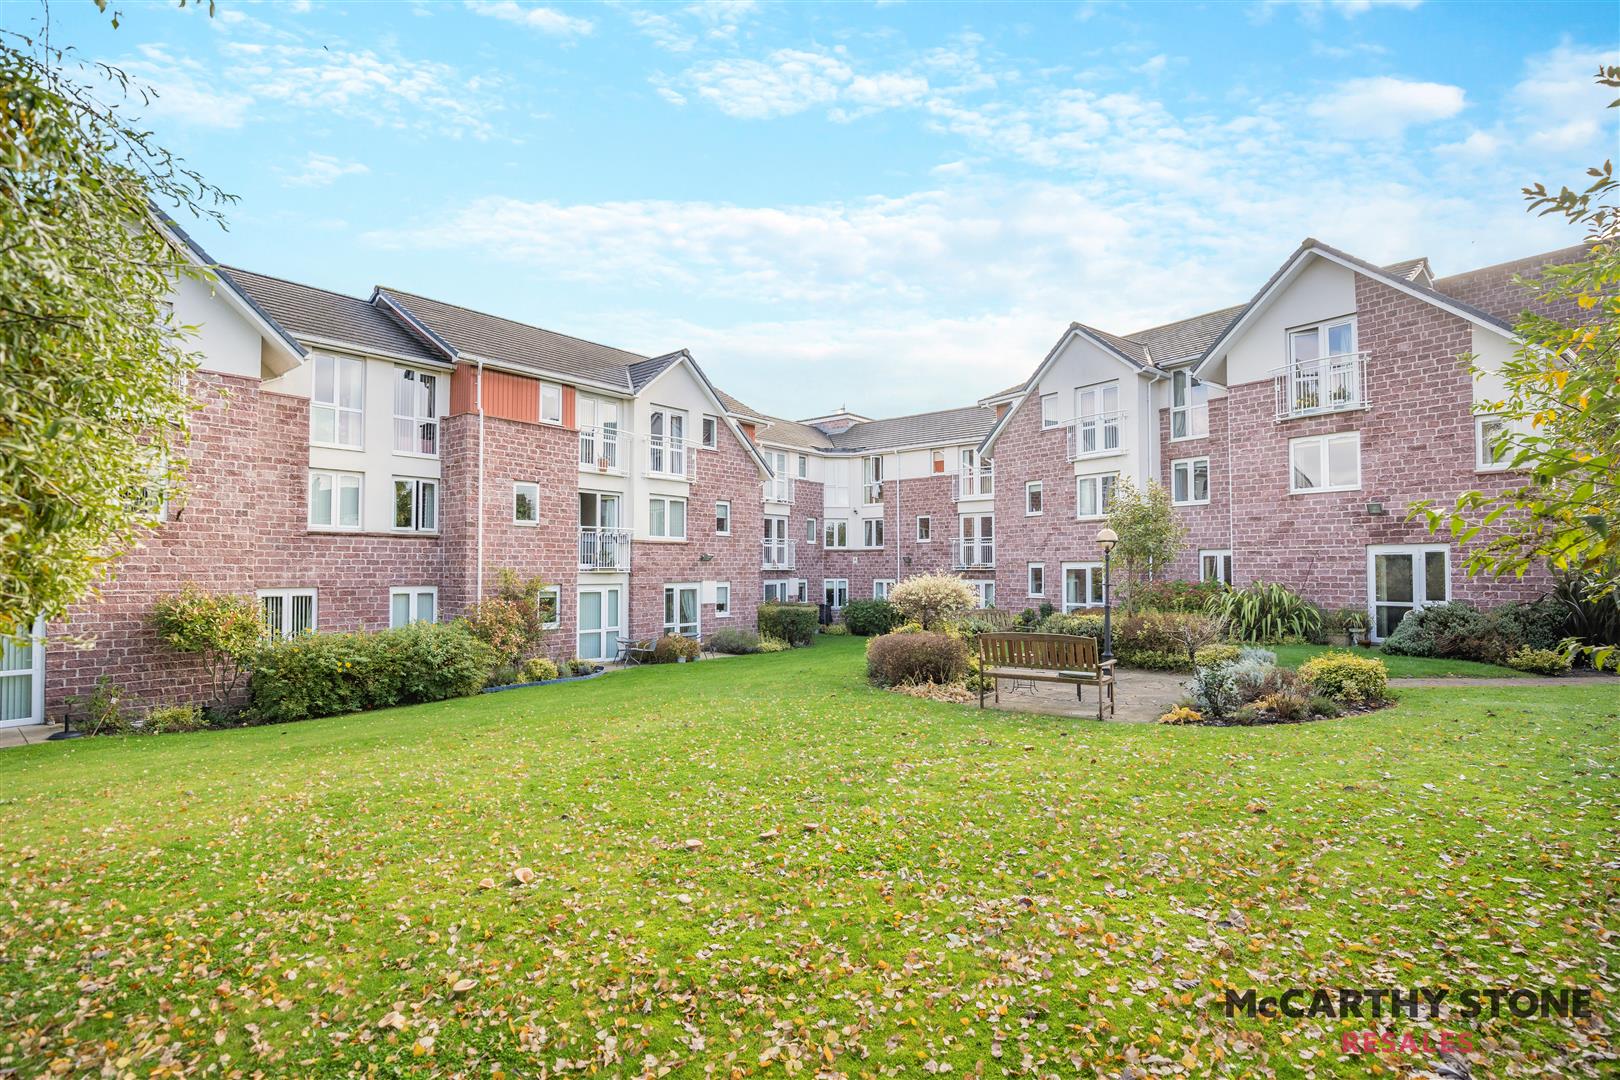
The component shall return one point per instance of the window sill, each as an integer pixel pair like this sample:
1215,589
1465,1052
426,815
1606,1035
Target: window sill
317,531
1322,490
413,454
313,445
1034,513
1196,502
662,540
1091,517
527,524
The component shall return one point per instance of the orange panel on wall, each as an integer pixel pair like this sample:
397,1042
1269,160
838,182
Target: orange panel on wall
507,396
569,407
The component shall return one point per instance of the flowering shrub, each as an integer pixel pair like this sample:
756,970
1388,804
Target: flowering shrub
1360,680
932,599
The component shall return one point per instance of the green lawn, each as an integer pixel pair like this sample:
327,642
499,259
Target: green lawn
1025,894
1402,667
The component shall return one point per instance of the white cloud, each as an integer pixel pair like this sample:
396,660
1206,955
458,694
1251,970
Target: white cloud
322,170
1477,146
790,81
177,89
1382,106
544,19
1311,11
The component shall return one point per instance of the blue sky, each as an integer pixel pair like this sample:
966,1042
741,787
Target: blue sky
895,205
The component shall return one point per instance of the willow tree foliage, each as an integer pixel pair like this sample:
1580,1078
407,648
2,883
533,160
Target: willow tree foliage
93,368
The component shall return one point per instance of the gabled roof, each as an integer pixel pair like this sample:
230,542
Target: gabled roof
332,317
964,425
1491,287
1413,270
643,372
520,345
1184,339
781,432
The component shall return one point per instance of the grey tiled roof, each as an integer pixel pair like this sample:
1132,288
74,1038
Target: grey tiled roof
966,425
1123,346
310,312
643,372
1185,337
1411,270
780,432
495,338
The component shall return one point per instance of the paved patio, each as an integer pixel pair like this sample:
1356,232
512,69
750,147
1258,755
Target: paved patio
1140,697
27,734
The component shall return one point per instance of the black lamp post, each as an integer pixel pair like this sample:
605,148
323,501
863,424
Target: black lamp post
1106,539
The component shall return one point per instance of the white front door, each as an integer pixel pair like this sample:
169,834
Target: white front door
22,679
1403,577
681,610
600,622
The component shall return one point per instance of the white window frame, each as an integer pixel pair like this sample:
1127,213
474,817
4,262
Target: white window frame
1420,578
722,599
986,591
832,529
872,533
1094,580
925,528
424,412
1323,455
532,490
786,590
1049,411
287,596
339,365
667,501
1036,488
677,587
339,480
881,587
835,585
1099,421
1187,402
811,536
1482,450
718,517
872,480
1223,561
1103,497
709,432
1190,465
804,467
555,593
554,391
418,484
413,596
1034,587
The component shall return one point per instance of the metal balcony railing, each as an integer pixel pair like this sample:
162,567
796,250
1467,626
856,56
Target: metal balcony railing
1094,435
979,484
604,549
1327,384
671,458
975,554
779,555
416,435
779,489
599,449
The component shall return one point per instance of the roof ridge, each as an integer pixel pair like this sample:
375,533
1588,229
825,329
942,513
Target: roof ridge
1177,322
1509,262
515,322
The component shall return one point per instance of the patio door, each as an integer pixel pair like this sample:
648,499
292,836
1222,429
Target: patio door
600,622
776,546
681,610
1402,578
22,679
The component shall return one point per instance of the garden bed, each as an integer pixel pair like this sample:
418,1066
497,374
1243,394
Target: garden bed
599,671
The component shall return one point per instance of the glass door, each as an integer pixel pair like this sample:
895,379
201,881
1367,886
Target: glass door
22,690
681,610
600,623
1402,579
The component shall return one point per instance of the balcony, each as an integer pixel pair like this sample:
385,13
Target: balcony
416,435
977,484
1327,384
670,458
975,555
1097,435
604,549
778,555
599,449
779,489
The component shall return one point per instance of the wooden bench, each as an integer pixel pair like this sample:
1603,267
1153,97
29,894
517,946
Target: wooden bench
1046,658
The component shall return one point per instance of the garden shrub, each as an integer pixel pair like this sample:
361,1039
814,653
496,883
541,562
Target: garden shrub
328,674
792,623
539,669
1538,624
224,629
835,630
505,675
173,719
734,641
1218,653
1266,612
1163,640
1074,625
1539,661
1219,690
1174,595
671,648
868,617
769,644
1182,714
1460,630
932,599
897,659
1345,677
1410,637
908,628
513,621
577,666
983,621
104,712
1027,619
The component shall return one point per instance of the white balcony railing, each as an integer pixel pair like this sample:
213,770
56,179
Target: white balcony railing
599,449
779,489
1327,384
1095,435
416,435
975,484
604,549
975,554
778,555
670,458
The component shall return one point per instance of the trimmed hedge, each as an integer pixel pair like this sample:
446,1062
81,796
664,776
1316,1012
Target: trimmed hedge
793,623
868,617
926,657
1347,677
734,641
329,674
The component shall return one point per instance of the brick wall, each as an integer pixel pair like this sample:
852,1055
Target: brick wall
1492,289
1208,527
